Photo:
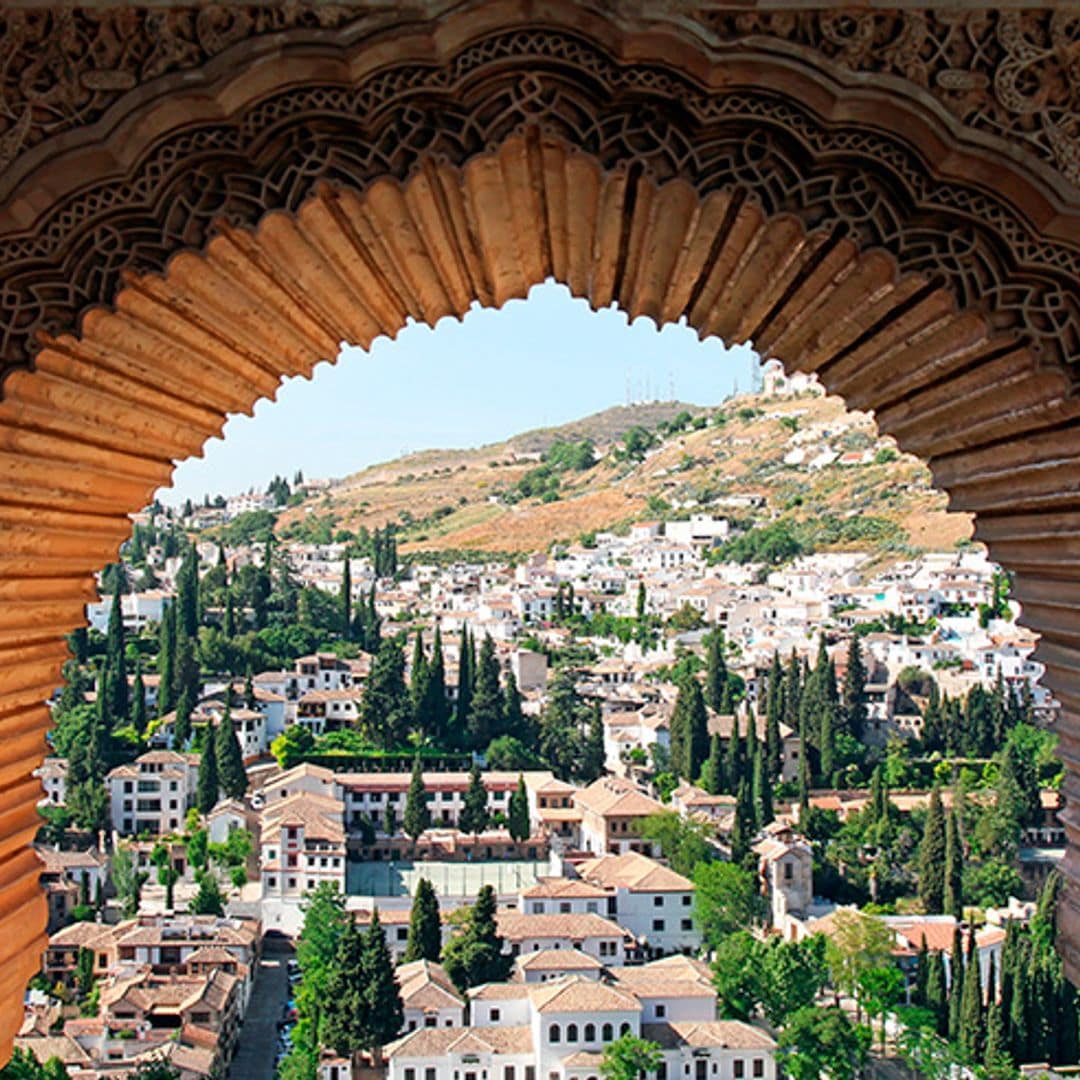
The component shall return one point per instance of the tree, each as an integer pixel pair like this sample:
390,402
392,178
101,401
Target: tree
381,995
682,842
474,816
956,986
953,886
209,900
518,813
417,815
737,975
23,1065
791,975
228,756
726,899
385,710
127,880
324,924
115,652
859,943
712,773
168,875
854,693
880,989
932,857
716,673
972,1021
463,706
207,789
138,700
345,598
937,991
475,956
629,1058
593,754
345,1019
425,926
508,753
292,745
485,717
689,730
823,1042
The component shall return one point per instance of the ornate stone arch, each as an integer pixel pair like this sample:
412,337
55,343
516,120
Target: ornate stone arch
870,195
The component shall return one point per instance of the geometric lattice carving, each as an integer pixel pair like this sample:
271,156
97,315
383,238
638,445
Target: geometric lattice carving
647,117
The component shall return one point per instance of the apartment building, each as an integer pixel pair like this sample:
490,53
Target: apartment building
153,793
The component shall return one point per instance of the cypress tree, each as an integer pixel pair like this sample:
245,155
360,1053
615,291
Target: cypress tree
464,690
417,815
971,1034
138,700
187,594
474,811
486,708
689,730
250,700
998,1060
115,652
712,775
734,770
207,790
514,720
344,1021
385,711
937,994
232,777
345,600
953,886
425,928
716,674
854,694
166,661
922,972
932,857
774,712
518,816
593,756
230,618
742,830
418,680
763,804
436,707
476,955
956,986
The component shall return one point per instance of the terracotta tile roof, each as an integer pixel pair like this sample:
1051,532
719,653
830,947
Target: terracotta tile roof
432,1042
635,872
425,985
706,1034
563,889
614,797
516,927
558,960
577,994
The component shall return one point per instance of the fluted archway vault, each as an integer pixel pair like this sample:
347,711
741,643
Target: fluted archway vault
194,203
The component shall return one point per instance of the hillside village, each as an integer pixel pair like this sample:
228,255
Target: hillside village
727,781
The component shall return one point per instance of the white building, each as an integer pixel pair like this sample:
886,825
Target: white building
558,1030
153,793
649,900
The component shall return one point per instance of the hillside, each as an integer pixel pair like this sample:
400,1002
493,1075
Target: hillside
500,498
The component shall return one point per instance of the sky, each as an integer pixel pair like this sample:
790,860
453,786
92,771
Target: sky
496,373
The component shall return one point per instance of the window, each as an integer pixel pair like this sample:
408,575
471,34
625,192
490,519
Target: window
657,901
686,900
687,924
788,871
530,1072
759,1067
590,1033
410,1074
272,882
658,924
661,1071
564,907
431,1021
538,907
607,1033
508,1072
624,1029
571,1033
661,1012
495,1015
740,1068
429,1074
554,1034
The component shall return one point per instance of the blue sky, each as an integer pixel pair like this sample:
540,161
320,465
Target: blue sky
535,362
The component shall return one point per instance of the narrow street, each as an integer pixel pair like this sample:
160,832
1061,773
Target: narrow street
254,1057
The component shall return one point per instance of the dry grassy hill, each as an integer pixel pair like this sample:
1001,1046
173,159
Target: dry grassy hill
465,499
